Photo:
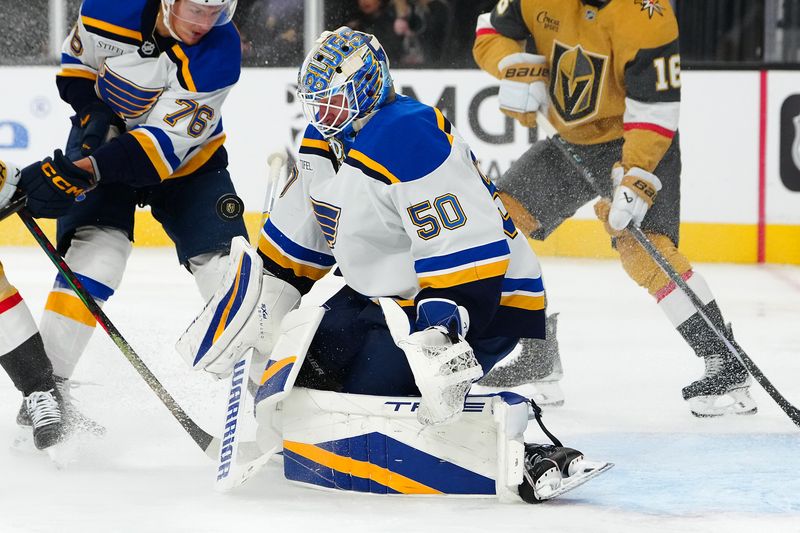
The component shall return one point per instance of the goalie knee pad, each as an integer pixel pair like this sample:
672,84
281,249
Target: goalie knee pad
245,312
208,271
642,268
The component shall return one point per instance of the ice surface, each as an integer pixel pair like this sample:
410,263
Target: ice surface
624,370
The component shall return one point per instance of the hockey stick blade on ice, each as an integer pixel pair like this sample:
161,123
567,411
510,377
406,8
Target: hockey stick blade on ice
209,444
297,331
232,469
574,158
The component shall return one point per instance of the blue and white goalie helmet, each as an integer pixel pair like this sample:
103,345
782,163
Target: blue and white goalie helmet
344,77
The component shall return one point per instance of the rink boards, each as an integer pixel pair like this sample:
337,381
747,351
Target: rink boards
740,137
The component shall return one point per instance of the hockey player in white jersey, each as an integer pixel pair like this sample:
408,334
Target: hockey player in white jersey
386,189
147,80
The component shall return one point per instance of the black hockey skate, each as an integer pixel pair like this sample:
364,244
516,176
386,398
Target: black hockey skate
723,389
43,413
553,470
72,420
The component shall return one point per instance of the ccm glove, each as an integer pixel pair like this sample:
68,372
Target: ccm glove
634,193
52,185
523,86
9,177
97,120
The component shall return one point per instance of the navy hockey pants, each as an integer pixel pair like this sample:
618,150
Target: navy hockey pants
353,352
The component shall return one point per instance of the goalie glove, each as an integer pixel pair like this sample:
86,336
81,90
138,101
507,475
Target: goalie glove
634,193
9,177
443,363
454,319
523,86
443,371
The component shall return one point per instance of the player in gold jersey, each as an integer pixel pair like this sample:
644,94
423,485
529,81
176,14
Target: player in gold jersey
607,73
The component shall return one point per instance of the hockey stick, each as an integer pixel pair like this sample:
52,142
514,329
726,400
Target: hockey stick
276,160
230,472
577,162
12,207
209,444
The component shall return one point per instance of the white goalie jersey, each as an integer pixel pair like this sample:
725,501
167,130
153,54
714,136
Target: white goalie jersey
404,211
168,93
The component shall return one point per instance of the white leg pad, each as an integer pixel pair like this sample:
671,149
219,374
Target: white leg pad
208,271
297,330
375,444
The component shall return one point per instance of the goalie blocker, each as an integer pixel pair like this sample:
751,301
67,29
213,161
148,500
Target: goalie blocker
245,312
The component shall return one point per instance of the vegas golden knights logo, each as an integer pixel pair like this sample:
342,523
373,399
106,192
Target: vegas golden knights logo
575,81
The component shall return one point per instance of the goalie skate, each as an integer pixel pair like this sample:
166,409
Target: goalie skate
551,471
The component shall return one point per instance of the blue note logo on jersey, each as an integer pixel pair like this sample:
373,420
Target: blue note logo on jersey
328,219
126,98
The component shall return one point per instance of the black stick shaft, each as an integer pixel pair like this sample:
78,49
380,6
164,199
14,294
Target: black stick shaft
12,207
201,437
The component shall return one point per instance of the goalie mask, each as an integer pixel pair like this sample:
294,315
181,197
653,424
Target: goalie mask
345,77
200,15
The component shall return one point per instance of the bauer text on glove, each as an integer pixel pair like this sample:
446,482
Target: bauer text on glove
523,86
634,193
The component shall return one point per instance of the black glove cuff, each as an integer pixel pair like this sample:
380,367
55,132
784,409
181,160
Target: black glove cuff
99,110
70,170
